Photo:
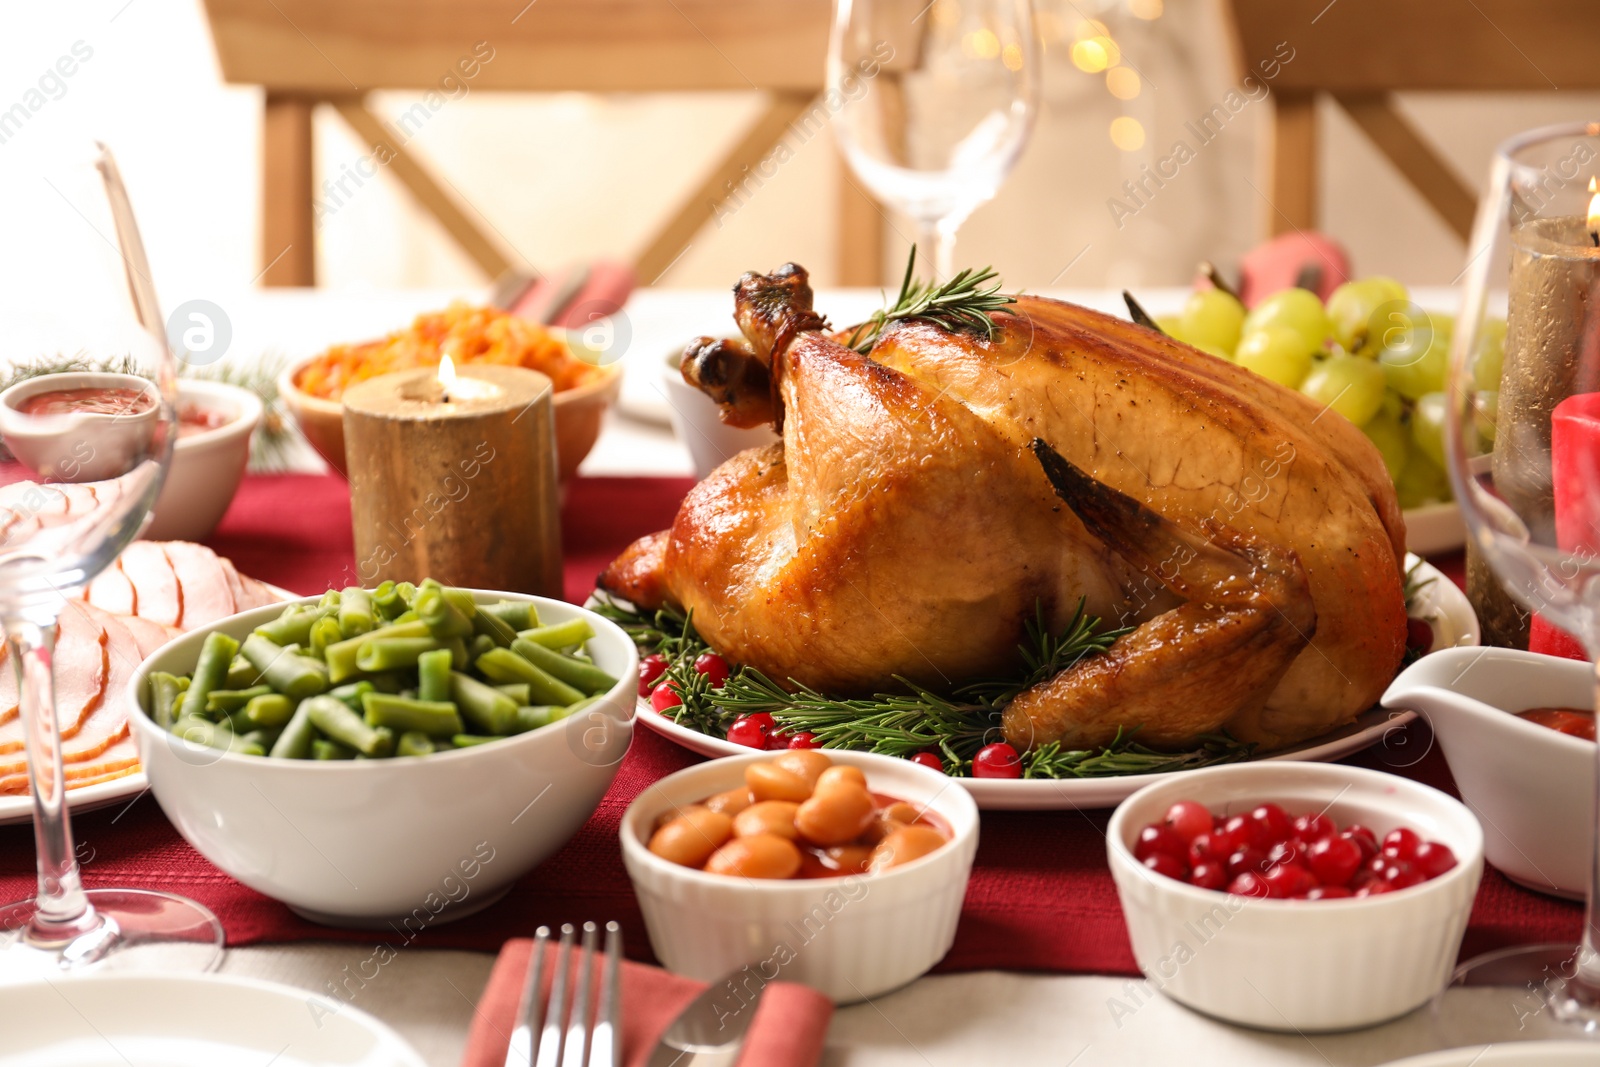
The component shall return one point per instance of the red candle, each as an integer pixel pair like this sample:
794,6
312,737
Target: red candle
1575,479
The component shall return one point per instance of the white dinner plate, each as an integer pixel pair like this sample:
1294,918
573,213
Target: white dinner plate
1511,1054
1440,601
206,1020
16,810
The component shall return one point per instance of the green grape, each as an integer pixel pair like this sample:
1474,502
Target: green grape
1491,354
1485,412
1298,310
1394,405
1416,363
1212,318
1352,308
1427,426
1275,352
1394,444
1421,482
1213,350
1350,385
1171,325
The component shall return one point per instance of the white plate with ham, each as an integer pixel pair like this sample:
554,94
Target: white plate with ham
155,591
1439,602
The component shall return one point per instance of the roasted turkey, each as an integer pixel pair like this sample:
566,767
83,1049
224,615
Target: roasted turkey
928,497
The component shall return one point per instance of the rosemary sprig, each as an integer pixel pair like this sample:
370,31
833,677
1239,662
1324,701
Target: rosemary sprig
962,303
917,719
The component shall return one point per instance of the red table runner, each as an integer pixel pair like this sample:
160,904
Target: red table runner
1041,897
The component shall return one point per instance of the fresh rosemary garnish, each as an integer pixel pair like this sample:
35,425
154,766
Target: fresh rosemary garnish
916,720
962,303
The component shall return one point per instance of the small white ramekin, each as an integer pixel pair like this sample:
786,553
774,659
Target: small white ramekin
850,938
1295,964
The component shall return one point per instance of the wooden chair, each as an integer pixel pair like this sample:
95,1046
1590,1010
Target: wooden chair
310,52
1361,52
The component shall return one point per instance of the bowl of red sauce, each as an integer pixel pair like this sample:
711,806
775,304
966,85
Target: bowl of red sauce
215,424
1516,730
79,427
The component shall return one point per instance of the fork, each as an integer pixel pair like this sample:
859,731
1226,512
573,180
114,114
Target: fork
555,1038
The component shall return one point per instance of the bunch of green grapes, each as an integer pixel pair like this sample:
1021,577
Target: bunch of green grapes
1369,354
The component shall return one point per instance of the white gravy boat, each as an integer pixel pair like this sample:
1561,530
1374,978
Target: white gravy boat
1533,789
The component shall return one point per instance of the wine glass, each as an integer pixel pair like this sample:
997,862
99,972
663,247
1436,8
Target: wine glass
932,104
1522,435
88,428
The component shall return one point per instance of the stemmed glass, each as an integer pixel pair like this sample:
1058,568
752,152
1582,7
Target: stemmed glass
1522,433
88,433
933,103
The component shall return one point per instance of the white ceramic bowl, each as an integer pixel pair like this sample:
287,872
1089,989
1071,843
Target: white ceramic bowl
851,938
696,421
1531,787
1299,965
404,841
208,466
81,446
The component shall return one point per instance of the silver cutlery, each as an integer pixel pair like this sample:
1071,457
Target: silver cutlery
557,1036
711,1030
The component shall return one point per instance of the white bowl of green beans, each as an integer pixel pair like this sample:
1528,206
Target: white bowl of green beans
394,756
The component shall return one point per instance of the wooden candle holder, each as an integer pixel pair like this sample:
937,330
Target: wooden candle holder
461,488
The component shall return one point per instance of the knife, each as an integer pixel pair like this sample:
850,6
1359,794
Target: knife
710,1031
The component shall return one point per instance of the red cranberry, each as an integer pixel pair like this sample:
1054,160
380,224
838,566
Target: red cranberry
1433,859
1401,843
1208,875
1247,859
929,760
1372,889
664,696
1285,852
1158,838
751,731
1363,840
1328,892
998,760
1419,635
1309,828
1189,819
1334,860
1168,864
713,667
1400,874
1289,880
1249,884
1273,824
1243,830
804,739
651,668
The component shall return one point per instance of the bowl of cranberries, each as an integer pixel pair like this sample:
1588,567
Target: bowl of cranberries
1295,896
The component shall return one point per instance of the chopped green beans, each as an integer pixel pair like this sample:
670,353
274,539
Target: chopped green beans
484,706
286,672
504,665
356,613
577,673
399,670
561,634
335,719
209,673
436,718
433,674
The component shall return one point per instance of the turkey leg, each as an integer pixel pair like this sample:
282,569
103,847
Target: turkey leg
1247,614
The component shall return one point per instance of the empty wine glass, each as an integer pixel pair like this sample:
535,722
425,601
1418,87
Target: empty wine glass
934,104
87,428
1522,433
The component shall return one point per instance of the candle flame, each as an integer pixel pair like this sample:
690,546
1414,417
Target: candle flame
447,371
1594,205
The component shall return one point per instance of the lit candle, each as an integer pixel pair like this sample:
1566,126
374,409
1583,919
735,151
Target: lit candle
453,476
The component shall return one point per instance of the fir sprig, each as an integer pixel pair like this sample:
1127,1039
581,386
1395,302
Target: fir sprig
916,719
962,303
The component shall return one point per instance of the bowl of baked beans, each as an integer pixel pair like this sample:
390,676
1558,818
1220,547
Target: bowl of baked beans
843,871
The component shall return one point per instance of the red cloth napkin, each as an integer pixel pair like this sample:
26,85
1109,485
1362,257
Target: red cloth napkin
787,1030
604,290
1040,897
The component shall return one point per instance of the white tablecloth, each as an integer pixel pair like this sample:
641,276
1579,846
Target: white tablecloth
988,1017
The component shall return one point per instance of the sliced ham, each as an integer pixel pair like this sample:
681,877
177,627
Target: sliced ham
206,595
157,595
82,666
258,594
111,591
119,759
150,635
